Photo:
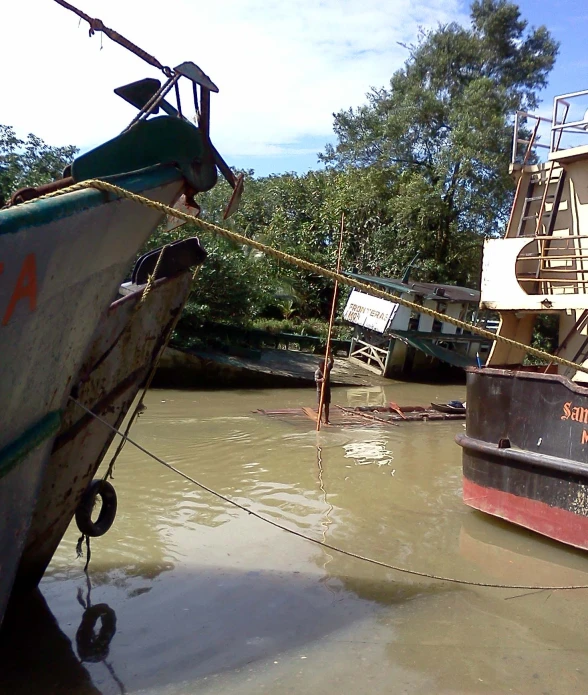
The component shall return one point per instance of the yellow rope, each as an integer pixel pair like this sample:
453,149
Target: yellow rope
153,276
313,268
139,406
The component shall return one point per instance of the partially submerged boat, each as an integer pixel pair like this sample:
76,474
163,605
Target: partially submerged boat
396,342
525,445
62,260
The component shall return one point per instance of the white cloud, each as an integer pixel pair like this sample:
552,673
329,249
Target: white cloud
282,68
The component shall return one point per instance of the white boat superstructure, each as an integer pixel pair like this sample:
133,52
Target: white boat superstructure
541,264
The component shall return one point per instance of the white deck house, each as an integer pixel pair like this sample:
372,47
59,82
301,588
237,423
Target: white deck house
392,340
541,264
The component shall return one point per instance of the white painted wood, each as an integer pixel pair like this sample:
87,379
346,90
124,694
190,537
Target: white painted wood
369,312
426,321
454,310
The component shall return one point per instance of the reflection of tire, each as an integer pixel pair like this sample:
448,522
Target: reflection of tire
91,646
97,488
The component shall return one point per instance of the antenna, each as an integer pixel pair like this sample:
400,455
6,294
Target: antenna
409,267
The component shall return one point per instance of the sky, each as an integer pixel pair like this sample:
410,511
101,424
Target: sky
283,67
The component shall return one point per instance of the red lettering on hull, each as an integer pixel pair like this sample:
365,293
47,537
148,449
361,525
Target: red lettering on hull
25,288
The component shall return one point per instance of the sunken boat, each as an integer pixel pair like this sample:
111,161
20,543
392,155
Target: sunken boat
62,261
525,448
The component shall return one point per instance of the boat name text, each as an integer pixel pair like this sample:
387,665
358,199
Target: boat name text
356,311
575,413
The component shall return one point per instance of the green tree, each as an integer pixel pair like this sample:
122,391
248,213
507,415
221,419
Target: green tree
440,136
29,162
235,284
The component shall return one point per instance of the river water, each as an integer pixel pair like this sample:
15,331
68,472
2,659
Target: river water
197,596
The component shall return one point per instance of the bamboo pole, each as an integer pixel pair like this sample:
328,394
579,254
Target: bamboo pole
331,320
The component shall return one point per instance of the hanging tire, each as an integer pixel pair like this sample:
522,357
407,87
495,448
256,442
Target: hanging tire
97,488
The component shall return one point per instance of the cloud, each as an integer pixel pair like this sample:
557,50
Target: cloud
283,68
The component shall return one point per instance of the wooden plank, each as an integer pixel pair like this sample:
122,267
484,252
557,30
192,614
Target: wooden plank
370,417
309,412
350,417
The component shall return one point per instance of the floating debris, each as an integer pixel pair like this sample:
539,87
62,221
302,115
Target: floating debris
370,415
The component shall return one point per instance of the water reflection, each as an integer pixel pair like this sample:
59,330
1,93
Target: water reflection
96,632
512,555
368,452
36,656
210,599
366,395
327,521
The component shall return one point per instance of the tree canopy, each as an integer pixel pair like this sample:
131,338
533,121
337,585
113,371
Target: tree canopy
29,162
441,134
422,166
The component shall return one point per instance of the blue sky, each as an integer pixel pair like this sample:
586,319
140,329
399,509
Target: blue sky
283,68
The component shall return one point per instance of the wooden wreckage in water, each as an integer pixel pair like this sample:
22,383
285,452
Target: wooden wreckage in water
370,416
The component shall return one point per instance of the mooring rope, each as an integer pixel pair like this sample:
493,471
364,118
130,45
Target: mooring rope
311,267
329,546
139,405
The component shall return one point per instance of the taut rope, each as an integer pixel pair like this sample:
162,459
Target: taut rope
323,544
313,268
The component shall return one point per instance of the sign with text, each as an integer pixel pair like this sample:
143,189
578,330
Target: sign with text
370,312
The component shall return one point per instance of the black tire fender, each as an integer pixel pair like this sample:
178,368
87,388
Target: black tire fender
97,488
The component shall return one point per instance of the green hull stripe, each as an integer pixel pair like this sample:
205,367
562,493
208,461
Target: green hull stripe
42,212
19,449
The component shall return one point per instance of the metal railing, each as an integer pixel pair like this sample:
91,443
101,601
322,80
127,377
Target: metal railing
517,140
558,126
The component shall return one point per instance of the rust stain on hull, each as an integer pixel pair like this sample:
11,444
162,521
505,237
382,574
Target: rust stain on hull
123,351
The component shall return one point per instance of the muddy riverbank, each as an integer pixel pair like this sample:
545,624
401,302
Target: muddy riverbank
267,369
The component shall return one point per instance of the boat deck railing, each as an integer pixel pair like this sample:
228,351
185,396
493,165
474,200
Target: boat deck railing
568,121
574,103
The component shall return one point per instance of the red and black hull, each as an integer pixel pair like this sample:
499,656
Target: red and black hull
525,451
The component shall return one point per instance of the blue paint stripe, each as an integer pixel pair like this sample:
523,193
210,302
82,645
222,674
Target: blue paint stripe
20,448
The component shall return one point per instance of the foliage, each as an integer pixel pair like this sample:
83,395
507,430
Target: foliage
421,167
318,329
29,162
440,135
545,336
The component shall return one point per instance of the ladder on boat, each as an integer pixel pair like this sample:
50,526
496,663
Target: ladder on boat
553,185
552,192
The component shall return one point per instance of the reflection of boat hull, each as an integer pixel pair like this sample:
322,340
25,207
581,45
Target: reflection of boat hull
528,466
516,557
34,650
125,346
63,259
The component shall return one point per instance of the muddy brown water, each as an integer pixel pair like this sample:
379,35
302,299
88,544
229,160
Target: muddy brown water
191,595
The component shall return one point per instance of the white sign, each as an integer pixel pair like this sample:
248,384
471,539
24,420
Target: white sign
370,312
